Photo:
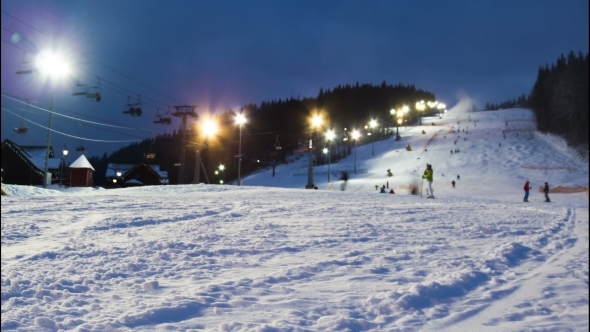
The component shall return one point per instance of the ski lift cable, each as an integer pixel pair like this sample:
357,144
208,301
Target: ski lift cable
78,119
74,112
73,136
109,67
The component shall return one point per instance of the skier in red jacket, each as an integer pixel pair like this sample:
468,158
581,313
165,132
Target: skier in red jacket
527,188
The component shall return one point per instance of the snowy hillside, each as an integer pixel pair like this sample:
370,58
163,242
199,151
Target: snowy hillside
272,256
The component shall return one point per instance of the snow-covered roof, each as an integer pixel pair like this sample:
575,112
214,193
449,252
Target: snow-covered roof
134,181
81,162
112,169
36,155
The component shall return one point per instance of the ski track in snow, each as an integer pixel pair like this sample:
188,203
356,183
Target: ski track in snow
224,258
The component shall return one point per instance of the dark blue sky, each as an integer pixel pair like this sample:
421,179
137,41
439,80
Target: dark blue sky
222,54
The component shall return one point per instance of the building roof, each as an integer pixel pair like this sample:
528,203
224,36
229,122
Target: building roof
112,169
81,162
36,155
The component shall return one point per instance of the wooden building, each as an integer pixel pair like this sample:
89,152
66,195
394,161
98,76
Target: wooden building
25,165
81,173
127,175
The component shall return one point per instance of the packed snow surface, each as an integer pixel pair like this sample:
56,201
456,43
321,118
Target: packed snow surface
272,256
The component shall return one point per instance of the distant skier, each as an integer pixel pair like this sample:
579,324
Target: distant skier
344,178
453,183
546,191
428,175
527,188
391,191
458,177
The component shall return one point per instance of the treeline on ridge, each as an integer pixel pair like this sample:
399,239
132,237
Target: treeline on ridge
282,122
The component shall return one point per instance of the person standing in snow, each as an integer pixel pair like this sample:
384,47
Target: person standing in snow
344,178
428,175
546,191
453,183
527,188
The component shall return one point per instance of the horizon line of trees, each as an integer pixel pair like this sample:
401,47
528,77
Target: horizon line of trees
559,98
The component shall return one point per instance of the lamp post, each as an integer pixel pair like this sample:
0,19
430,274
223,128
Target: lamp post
440,107
372,125
316,121
209,129
220,173
420,106
329,136
355,136
64,154
53,66
240,120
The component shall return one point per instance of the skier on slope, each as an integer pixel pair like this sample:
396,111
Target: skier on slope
527,188
428,175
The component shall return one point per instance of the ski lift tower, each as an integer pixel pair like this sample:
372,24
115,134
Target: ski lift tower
183,112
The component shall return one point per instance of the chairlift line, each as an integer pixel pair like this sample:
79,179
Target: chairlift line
74,118
72,136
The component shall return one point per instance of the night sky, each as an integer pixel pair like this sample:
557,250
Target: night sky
224,54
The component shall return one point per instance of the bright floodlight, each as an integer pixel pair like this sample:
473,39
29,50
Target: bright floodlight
420,106
405,108
356,134
65,152
316,121
441,106
221,167
52,64
240,119
330,135
399,121
373,123
209,128
325,150
392,112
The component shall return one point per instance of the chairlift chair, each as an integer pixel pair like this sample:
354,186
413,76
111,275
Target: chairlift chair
81,147
150,155
133,109
22,129
79,90
25,66
94,92
277,145
161,119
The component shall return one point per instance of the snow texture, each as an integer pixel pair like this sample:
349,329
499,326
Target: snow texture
272,256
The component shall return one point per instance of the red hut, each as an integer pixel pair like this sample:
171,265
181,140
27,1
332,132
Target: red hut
81,173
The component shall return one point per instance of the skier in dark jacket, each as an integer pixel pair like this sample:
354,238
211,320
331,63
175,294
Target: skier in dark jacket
546,191
344,178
